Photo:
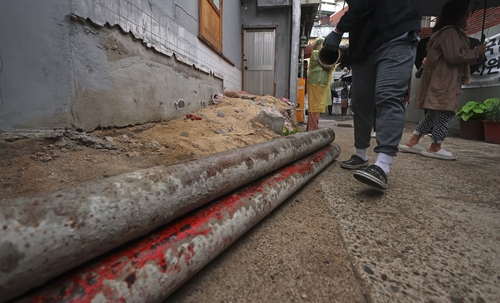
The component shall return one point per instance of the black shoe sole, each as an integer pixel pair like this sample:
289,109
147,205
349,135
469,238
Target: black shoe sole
348,166
369,179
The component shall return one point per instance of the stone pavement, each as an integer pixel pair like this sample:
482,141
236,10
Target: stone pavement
434,235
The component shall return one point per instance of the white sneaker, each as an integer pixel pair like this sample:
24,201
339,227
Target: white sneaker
374,135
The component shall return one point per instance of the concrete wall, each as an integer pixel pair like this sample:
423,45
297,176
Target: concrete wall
280,18
90,63
120,82
36,68
231,31
476,94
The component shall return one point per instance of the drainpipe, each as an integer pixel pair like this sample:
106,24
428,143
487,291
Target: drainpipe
303,44
294,51
153,267
44,235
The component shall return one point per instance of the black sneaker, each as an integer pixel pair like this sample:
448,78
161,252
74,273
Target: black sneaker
373,176
354,163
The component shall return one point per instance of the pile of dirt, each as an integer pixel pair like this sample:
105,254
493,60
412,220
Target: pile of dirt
39,161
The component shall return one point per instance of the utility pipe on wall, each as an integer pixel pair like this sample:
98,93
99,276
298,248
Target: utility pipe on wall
153,267
44,235
294,51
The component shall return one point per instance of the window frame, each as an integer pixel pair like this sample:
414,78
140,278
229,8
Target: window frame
204,33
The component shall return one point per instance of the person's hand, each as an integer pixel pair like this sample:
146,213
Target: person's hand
332,41
481,49
423,61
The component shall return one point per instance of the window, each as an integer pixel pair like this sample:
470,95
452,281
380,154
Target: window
217,4
211,23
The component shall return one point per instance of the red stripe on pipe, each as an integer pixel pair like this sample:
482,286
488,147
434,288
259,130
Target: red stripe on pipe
151,268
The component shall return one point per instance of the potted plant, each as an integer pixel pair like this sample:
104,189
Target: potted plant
492,123
471,119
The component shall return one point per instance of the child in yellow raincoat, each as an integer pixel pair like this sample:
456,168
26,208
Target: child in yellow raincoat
318,86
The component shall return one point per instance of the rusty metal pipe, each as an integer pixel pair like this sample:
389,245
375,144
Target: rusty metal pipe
44,235
153,267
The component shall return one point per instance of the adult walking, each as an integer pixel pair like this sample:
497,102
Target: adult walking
447,67
318,87
382,41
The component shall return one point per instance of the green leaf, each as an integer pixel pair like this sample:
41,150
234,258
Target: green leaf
489,102
466,116
477,110
469,106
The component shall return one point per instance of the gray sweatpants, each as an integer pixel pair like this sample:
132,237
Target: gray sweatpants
381,82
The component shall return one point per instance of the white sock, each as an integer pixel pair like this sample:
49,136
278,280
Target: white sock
361,153
384,161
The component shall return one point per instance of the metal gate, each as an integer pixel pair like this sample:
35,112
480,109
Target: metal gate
259,61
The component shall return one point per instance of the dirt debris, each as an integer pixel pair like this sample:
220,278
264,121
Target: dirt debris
38,161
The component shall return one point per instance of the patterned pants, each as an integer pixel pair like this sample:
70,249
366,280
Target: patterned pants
437,120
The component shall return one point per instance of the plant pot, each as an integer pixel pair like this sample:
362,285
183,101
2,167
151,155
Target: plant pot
492,132
472,129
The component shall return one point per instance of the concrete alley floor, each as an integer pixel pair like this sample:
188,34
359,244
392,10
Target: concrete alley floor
433,236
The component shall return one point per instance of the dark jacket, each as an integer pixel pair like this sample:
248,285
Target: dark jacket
370,23
344,93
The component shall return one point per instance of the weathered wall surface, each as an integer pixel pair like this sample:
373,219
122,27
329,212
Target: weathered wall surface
88,64
121,82
253,17
231,31
35,65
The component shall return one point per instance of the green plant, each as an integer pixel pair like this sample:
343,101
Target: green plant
492,114
287,132
472,109
475,110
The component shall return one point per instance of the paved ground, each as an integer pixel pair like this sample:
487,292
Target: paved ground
433,236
